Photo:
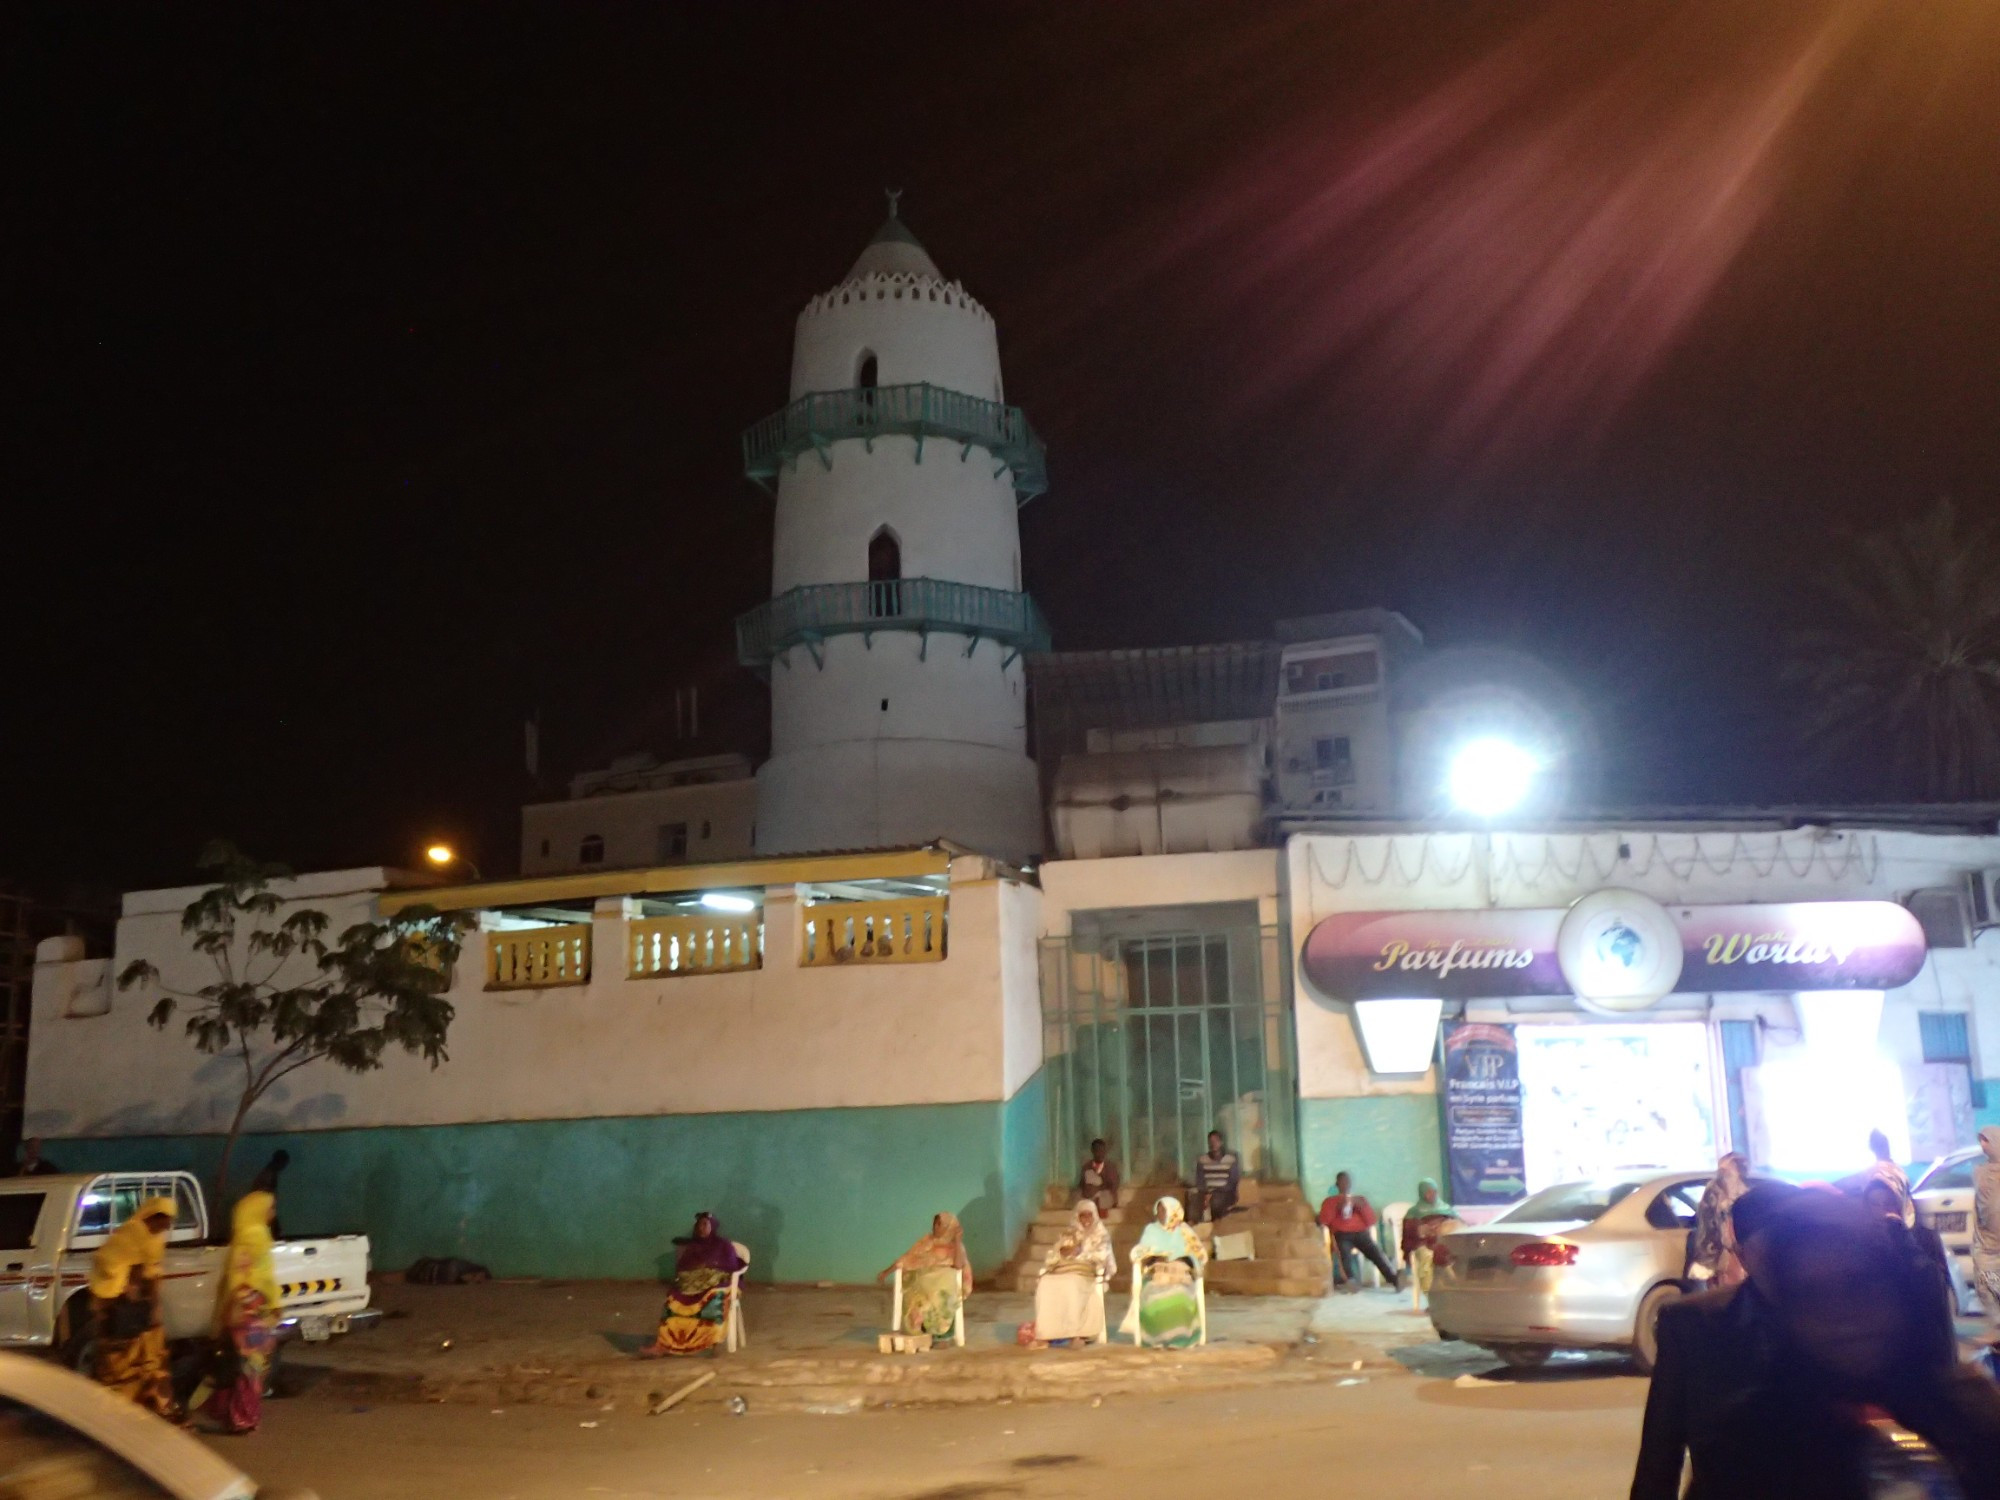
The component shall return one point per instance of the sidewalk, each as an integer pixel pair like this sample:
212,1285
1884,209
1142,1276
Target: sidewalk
572,1343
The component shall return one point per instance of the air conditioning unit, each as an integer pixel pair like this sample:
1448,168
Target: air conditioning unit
1942,911
1983,891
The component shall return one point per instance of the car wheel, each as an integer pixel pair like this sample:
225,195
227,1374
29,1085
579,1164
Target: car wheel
1524,1356
1646,1327
75,1343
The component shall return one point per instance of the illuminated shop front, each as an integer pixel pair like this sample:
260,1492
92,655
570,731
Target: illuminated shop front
1566,1027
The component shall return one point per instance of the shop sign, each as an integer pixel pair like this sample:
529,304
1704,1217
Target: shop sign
1484,1144
1805,945
1448,955
1499,953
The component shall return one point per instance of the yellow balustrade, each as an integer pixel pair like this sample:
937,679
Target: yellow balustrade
534,958
666,946
905,931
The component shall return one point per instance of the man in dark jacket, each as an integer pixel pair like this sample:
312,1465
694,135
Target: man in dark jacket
1761,1386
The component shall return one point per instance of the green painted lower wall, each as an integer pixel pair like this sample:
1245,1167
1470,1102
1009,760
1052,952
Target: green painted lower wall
1388,1141
818,1195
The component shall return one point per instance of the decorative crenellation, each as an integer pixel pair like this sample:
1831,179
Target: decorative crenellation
896,287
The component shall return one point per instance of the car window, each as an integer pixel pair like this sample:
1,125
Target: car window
41,1456
18,1213
93,1213
1952,1174
1675,1208
187,1206
1586,1201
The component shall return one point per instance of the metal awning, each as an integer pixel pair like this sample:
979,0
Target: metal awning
539,890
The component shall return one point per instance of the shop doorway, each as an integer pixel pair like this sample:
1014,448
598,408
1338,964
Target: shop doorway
1155,1037
1598,1100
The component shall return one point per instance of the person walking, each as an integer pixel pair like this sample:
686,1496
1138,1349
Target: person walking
1098,1181
1986,1229
1350,1219
1712,1251
124,1282
1217,1180
246,1320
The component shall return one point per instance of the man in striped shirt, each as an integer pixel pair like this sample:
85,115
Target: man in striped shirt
1216,1176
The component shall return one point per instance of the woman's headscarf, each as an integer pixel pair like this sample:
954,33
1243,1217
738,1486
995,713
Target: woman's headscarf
1433,1207
1712,1214
249,1263
1169,1236
1085,1241
132,1247
1986,1195
943,1246
709,1252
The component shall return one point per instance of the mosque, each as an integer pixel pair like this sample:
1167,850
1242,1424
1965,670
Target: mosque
984,901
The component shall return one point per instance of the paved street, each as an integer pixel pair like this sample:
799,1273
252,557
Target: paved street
1568,1431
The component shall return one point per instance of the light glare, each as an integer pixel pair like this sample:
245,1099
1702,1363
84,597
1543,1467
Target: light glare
723,901
1490,777
440,854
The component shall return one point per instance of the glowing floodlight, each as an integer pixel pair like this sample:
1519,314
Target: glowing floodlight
1490,777
725,901
440,854
1399,1035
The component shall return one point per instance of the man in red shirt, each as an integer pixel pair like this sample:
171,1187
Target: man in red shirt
1352,1220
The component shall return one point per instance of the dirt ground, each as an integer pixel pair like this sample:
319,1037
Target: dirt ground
1568,1431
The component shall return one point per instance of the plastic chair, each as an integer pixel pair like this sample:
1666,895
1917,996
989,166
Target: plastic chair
896,1309
734,1337
1200,1304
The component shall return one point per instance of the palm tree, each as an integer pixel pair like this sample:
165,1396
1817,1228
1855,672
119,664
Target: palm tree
1903,665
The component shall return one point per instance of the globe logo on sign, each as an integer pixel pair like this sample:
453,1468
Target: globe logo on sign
1619,944
1619,950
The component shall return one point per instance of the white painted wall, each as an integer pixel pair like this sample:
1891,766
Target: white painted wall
894,793
629,823
919,328
1326,874
953,517
1074,885
779,1038
934,692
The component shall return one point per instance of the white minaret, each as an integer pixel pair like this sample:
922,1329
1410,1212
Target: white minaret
896,624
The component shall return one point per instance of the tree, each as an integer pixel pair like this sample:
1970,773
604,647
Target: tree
284,998
1904,664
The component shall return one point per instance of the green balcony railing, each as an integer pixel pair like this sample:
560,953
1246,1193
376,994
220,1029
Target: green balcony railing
806,616
925,412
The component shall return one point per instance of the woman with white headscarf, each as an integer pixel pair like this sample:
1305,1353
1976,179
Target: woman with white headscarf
1172,1256
1986,1225
1067,1307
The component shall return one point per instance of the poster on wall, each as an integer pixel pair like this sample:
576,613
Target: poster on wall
1482,1111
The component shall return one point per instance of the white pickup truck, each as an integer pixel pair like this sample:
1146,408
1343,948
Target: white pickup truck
50,1226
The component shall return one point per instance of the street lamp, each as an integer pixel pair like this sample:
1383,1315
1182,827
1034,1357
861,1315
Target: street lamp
1490,777
443,855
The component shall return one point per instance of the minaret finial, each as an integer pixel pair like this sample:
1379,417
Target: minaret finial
894,195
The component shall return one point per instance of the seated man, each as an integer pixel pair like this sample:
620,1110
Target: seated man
1351,1219
1098,1181
1217,1177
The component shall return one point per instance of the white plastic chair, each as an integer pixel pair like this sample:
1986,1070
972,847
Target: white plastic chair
734,1337
1200,1304
896,1308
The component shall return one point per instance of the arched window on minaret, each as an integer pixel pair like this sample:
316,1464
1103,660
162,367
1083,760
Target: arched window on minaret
885,573
864,372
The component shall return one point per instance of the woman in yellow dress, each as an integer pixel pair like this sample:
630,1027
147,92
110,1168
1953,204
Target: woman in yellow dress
131,1340
246,1317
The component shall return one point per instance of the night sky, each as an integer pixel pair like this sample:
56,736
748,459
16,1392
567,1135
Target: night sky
378,373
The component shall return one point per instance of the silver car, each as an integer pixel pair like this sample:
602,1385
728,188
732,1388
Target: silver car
1944,1203
1586,1265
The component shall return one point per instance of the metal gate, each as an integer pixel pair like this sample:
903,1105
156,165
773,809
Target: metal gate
1153,1041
